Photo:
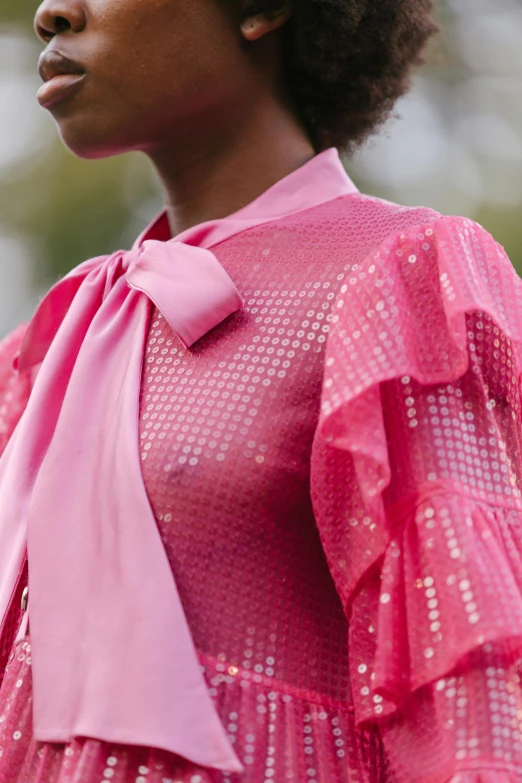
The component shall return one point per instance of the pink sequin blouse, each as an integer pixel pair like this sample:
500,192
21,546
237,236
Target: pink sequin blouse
336,473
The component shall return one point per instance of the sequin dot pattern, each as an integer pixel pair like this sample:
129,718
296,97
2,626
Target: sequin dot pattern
340,448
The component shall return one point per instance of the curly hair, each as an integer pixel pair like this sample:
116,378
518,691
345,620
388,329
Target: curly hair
348,61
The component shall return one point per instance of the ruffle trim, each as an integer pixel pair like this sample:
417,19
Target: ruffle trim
14,395
270,729
14,389
448,584
403,315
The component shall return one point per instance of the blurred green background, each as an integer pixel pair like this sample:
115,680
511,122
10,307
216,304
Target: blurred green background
456,147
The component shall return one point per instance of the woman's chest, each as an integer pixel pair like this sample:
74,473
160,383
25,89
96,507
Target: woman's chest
230,422
226,431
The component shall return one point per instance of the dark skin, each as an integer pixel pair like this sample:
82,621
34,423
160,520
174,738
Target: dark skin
193,84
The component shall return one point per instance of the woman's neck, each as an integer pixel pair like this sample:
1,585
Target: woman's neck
212,175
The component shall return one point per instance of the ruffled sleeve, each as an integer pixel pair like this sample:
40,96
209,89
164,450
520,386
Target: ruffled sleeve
14,387
416,484
14,394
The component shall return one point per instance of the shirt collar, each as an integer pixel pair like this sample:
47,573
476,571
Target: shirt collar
321,179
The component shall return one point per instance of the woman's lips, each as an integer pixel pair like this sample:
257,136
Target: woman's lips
61,86
62,78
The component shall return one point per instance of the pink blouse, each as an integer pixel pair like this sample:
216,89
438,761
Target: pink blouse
334,471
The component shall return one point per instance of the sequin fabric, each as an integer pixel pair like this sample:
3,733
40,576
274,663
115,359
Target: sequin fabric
346,446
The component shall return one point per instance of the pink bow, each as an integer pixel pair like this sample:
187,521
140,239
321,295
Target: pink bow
113,657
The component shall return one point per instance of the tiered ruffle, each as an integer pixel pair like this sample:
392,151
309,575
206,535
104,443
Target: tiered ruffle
428,559
279,732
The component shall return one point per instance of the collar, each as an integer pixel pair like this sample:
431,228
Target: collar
321,179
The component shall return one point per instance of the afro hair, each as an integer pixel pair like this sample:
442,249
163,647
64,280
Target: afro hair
348,61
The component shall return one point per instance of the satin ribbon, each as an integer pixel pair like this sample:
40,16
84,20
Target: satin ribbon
113,656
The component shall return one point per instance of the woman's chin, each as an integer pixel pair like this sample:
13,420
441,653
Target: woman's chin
87,141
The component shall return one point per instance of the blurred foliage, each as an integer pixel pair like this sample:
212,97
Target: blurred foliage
69,210
16,10
74,209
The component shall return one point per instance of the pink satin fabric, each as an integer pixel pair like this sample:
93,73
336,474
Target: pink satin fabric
113,657
88,505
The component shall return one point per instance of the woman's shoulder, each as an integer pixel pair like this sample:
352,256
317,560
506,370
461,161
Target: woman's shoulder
405,243
431,300
416,248
409,295
15,387
370,243
354,226
365,217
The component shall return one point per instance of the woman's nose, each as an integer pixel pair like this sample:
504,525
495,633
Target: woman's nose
59,16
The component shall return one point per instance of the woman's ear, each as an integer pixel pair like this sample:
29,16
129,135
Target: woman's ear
260,23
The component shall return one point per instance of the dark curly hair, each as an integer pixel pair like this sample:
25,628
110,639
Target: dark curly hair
348,61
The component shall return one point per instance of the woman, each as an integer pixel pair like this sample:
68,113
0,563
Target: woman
311,395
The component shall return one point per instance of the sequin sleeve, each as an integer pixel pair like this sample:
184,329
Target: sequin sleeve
416,483
14,394
14,388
